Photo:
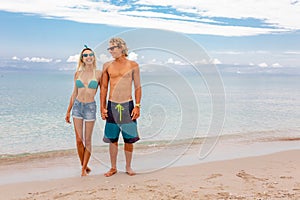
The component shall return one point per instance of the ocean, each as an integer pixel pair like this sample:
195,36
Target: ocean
175,107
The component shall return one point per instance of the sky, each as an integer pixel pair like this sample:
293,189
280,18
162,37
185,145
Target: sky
259,34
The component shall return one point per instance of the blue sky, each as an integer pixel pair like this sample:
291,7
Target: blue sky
241,32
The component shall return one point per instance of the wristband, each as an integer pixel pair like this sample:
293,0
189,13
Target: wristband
138,105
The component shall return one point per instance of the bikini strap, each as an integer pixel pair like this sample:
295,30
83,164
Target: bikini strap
95,73
79,73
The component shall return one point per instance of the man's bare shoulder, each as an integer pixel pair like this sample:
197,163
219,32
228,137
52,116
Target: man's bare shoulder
133,64
106,65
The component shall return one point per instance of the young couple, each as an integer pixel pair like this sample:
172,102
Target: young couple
119,111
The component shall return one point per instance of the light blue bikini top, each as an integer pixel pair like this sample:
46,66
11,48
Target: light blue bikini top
93,83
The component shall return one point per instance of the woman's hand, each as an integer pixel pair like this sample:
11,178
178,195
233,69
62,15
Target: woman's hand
104,114
68,118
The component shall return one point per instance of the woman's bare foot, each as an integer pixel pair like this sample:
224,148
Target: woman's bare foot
111,172
130,172
84,172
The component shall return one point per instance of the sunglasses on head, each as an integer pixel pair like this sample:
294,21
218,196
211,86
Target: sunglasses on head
112,48
88,54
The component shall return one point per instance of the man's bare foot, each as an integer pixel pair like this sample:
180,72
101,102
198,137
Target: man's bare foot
111,172
130,172
88,170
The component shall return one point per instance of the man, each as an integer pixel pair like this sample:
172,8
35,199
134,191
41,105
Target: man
119,111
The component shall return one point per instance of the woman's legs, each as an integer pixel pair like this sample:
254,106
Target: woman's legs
83,149
78,126
89,126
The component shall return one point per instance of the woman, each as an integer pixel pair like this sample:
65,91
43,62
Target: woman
83,105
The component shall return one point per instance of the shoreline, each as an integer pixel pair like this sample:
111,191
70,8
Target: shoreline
65,164
272,176
146,145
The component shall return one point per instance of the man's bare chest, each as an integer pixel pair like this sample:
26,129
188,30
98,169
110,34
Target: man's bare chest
115,73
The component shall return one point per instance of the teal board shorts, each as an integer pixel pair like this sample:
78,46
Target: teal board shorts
119,120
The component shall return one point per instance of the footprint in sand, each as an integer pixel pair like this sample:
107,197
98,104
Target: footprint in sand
248,177
151,180
296,187
286,177
212,176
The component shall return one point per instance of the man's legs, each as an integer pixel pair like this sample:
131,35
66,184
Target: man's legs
128,149
113,152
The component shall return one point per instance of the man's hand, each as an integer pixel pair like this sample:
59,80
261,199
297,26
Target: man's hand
135,113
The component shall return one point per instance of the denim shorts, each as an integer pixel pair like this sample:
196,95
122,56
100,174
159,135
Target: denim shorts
85,111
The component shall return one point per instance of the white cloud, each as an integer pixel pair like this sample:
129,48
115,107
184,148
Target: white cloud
38,60
241,52
202,62
260,52
66,69
216,61
133,56
15,58
103,58
277,13
175,62
73,58
155,61
170,60
292,52
182,62
228,52
263,65
212,17
276,65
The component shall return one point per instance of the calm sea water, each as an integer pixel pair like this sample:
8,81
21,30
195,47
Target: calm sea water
175,107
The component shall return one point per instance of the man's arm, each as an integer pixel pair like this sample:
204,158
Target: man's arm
137,91
137,84
103,91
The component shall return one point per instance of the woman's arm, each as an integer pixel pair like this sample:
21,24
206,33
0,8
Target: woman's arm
72,99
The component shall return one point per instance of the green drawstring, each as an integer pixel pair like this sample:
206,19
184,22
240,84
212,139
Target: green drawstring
120,108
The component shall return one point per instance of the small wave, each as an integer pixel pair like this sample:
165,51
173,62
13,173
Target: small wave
157,145
279,139
23,157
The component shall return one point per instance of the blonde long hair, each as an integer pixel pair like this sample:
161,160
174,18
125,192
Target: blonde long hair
81,65
121,44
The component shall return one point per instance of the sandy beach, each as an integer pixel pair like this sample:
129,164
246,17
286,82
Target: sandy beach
272,176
